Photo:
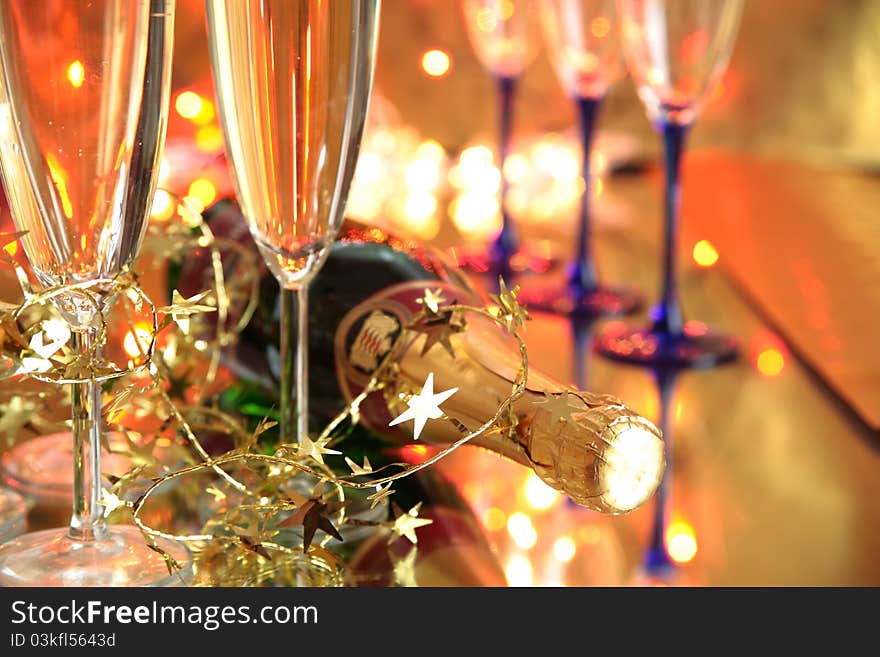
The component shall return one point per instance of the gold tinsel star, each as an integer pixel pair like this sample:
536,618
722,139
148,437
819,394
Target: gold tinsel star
509,309
15,414
559,407
405,569
357,469
432,300
182,308
382,492
313,514
439,331
407,523
315,448
424,406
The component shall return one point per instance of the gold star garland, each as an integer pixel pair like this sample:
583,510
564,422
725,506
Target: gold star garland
257,502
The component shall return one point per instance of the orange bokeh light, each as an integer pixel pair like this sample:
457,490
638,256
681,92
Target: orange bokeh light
600,27
436,63
681,542
705,254
770,362
76,74
188,104
137,341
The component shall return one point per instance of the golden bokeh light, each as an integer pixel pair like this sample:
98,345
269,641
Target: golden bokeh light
188,104
137,341
519,571
681,542
76,74
770,362
436,63
705,254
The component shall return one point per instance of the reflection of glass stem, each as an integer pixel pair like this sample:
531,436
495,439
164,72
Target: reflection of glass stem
506,243
658,560
87,521
667,314
583,277
582,328
294,364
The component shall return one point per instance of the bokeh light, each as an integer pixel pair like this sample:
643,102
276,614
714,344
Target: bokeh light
137,341
519,571
188,104
76,74
539,495
436,63
564,549
521,529
770,362
681,542
705,254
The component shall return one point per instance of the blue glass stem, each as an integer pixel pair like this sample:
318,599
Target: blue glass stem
507,242
583,277
667,314
658,560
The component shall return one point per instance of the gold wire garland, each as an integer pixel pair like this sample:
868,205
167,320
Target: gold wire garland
288,460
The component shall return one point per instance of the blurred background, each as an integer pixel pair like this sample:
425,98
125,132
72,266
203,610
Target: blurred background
802,80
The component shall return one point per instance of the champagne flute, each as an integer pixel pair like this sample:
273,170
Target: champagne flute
677,51
85,87
581,36
293,81
505,36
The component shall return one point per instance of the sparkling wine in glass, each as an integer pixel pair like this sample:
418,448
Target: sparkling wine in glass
677,51
83,97
293,81
505,36
581,37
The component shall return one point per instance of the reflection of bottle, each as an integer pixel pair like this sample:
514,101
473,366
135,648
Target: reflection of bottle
592,447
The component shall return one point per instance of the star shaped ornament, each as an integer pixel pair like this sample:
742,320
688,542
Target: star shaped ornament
424,406
315,448
432,300
407,523
509,309
559,407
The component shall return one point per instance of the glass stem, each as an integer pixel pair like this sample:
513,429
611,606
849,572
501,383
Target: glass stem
294,364
667,314
87,522
658,556
506,243
583,275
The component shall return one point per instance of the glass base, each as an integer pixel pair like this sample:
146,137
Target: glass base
12,514
53,558
41,469
696,347
570,301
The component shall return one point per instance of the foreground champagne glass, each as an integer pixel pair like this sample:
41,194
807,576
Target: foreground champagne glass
677,51
293,81
505,37
582,41
85,88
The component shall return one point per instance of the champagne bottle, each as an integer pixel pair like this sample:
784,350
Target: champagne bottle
591,447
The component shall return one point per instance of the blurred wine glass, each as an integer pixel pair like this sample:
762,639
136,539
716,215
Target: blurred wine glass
293,80
505,36
84,97
582,41
677,51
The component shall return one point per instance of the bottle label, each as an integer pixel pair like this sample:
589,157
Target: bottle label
369,332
